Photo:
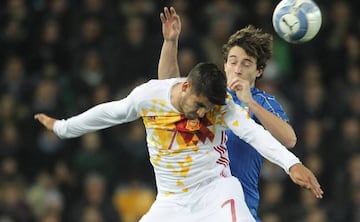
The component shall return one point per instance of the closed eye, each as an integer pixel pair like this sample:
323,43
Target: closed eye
204,106
246,63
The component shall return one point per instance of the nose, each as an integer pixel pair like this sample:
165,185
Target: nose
238,69
201,112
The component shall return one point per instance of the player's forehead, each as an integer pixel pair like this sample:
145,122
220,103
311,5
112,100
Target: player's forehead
238,53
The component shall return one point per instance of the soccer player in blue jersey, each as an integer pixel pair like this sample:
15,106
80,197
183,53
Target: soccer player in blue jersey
245,56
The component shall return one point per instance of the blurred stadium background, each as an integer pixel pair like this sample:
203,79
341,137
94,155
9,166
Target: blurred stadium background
63,56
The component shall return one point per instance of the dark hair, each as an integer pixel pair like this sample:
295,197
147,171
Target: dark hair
209,81
255,42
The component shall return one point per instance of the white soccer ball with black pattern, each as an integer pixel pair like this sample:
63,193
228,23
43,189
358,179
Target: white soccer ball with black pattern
297,21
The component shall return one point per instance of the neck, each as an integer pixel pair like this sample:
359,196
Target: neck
175,96
252,84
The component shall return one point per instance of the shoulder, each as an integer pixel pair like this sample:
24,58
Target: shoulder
263,97
269,102
153,89
155,85
261,94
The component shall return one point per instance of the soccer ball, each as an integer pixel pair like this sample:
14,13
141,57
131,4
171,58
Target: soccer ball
297,21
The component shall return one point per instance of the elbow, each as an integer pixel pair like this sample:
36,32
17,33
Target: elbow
290,142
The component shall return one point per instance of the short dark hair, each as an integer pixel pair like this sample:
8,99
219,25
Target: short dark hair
209,81
254,41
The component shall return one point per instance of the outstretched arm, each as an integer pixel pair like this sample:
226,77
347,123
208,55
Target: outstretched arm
171,28
99,117
279,128
239,122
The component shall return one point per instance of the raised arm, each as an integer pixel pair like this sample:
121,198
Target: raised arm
171,27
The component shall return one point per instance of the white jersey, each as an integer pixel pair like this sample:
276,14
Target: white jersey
184,153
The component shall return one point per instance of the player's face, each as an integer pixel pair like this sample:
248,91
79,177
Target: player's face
194,106
240,64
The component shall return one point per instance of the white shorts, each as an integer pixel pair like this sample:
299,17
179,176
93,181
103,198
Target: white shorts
219,200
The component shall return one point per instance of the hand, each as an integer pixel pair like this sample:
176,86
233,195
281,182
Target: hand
47,121
171,24
242,89
302,176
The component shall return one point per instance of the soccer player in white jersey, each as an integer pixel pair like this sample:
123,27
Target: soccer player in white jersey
185,121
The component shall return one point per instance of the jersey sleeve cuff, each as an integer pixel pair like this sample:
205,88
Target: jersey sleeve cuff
291,163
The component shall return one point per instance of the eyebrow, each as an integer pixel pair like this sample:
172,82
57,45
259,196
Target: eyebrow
248,60
235,57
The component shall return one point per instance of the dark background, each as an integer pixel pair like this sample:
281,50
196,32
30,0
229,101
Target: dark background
62,57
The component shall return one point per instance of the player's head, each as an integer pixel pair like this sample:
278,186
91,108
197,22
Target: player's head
246,53
205,87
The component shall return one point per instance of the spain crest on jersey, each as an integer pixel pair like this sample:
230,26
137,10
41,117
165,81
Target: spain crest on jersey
192,125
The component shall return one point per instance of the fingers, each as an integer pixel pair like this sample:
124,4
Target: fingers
172,11
174,14
313,184
237,84
48,122
316,188
233,83
39,116
162,17
235,87
167,12
317,191
305,178
310,182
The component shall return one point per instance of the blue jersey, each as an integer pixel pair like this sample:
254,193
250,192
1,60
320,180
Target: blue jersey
245,161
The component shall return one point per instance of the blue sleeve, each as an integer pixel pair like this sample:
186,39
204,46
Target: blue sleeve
272,105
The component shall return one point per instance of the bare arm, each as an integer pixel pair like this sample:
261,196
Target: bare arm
279,128
171,27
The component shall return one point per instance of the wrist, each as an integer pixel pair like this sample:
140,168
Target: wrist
292,163
296,165
250,103
173,41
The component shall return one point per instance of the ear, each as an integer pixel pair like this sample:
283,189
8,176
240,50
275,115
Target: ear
186,85
260,72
